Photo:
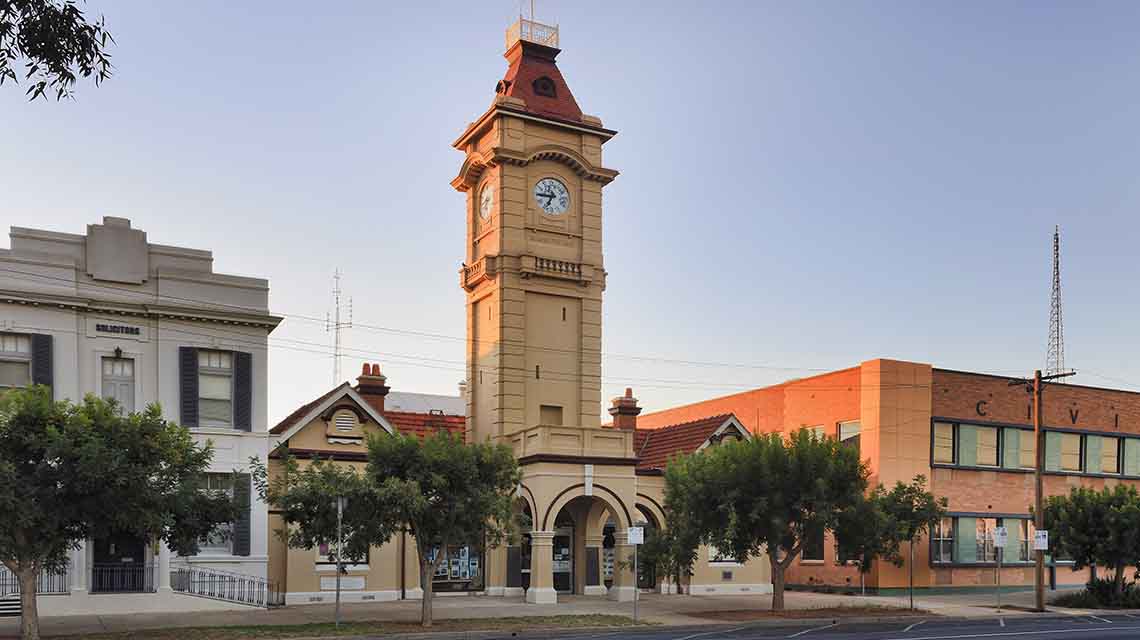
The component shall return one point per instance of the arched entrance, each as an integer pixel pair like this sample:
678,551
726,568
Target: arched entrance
646,573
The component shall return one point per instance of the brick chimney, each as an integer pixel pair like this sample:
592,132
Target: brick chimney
370,385
625,410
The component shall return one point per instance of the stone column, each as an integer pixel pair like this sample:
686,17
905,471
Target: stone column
541,589
163,567
77,569
495,573
594,584
625,582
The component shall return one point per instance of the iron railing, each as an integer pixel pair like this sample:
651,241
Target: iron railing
224,585
122,578
48,582
532,31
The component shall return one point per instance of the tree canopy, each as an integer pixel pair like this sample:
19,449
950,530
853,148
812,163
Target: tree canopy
444,492
768,494
1096,527
57,44
62,464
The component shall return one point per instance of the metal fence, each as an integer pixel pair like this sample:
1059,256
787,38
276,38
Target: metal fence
122,578
223,585
48,582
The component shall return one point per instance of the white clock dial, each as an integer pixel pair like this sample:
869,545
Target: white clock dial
551,196
486,201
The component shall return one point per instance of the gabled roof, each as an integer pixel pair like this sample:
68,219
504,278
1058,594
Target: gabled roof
300,418
654,447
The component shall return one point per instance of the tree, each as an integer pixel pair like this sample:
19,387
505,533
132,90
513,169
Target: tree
1096,528
56,41
307,500
444,492
62,464
864,535
912,511
768,494
669,552
673,551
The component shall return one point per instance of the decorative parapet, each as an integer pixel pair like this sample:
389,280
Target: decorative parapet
485,268
555,442
532,31
560,269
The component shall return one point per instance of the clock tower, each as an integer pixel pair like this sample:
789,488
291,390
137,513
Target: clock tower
533,271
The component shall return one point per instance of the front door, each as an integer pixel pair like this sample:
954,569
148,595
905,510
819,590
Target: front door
564,560
118,565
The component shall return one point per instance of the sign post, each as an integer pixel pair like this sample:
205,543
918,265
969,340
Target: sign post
635,536
340,502
1001,538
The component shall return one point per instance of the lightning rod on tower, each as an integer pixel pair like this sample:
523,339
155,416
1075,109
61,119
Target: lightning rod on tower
335,325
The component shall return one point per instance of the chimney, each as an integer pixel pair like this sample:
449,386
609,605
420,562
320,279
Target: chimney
625,410
370,385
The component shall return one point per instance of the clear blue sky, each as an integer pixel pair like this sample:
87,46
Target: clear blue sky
804,185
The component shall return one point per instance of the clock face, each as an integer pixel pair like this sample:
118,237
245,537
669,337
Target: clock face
486,201
551,196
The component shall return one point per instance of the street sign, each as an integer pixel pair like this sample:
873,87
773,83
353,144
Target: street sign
1001,537
636,535
1041,540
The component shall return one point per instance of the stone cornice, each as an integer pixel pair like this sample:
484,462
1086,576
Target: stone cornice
477,162
86,305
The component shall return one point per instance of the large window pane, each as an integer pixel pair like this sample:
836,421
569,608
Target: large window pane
983,538
1109,455
942,549
1070,452
849,433
813,546
214,387
944,442
1028,452
15,374
220,542
987,446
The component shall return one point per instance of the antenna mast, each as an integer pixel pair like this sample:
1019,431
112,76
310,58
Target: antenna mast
1055,360
335,325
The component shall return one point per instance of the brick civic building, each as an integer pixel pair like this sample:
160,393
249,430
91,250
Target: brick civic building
970,434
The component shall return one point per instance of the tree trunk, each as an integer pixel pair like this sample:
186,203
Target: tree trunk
427,569
1118,581
777,583
29,615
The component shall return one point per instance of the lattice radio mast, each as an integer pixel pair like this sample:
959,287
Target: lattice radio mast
335,325
1055,360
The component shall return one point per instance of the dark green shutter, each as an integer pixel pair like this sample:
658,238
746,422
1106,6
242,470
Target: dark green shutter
242,525
41,359
243,391
188,385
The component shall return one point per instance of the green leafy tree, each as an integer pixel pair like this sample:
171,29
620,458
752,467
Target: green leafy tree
912,512
770,494
443,492
1096,528
675,552
863,534
669,552
62,464
57,44
306,497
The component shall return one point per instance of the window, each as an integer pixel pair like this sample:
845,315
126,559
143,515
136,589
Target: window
819,433
119,382
221,541
1024,530
1070,452
984,539
987,453
215,388
942,541
15,360
716,556
944,442
326,554
813,547
461,568
1027,454
1109,455
849,433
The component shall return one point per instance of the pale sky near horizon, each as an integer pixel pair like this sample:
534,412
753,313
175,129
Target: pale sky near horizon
804,185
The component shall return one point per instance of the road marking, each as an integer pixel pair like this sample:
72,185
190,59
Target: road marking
1002,621
1018,633
1101,619
914,625
826,626
1129,615
713,632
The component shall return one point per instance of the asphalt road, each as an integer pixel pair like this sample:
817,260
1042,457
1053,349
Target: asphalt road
1109,626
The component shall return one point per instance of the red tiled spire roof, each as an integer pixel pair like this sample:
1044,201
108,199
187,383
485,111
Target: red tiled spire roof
534,77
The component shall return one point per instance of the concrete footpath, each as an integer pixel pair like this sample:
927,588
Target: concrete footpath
668,610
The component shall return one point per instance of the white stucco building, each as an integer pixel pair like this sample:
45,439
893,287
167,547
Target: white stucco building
107,312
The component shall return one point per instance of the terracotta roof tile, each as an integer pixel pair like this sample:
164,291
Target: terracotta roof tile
654,447
422,425
532,65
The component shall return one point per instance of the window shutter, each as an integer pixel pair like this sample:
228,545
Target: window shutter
242,525
188,377
243,391
41,359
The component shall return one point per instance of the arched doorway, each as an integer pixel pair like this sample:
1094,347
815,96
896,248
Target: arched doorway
647,573
582,563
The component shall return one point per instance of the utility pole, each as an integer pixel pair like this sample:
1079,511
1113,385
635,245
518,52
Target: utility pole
334,324
1036,386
